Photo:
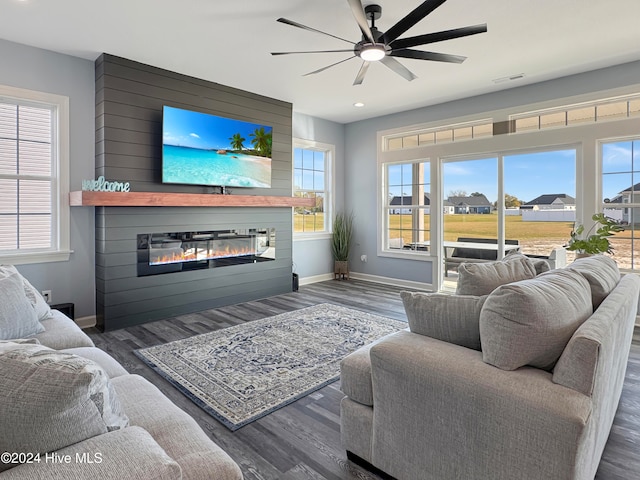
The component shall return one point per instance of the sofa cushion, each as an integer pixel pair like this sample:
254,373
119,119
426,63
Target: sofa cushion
601,272
17,316
128,453
62,332
175,431
50,400
39,304
483,278
530,322
450,318
102,358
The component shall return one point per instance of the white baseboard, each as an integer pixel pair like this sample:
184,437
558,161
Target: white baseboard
316,278
369,278
86,322
392,281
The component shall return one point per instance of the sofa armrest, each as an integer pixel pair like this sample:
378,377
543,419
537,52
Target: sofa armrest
435,403
127,453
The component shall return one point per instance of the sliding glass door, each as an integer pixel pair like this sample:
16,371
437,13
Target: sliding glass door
509,202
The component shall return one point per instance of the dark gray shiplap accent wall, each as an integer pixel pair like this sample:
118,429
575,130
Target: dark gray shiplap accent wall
129,100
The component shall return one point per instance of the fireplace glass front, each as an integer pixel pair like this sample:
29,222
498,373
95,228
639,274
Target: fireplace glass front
160,253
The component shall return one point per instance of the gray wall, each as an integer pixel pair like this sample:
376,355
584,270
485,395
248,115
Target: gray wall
361,169
45,71
313,258
129,100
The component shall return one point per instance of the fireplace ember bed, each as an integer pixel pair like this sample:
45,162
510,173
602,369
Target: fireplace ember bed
160,253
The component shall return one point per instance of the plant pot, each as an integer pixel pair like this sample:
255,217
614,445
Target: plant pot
340,269
582,255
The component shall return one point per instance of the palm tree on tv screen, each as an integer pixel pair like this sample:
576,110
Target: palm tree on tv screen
237,141
261,141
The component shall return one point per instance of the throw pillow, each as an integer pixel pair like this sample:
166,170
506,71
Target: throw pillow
601,272
531,321
450,318
483,278
39,304
17,317
50,400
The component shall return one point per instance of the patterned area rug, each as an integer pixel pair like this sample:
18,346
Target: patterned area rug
242,373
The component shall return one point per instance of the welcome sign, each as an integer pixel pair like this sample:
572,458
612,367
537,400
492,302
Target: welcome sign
102,185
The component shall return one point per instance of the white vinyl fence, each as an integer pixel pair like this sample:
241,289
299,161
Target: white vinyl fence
548,215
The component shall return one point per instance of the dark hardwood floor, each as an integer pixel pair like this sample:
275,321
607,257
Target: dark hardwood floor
302,441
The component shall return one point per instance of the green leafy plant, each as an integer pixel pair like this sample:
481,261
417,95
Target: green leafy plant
597,241
342,236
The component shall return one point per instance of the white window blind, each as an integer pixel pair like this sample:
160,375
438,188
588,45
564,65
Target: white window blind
28,181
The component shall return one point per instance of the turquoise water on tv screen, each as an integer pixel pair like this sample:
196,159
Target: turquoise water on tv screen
211,167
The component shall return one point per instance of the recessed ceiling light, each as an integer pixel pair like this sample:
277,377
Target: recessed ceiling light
358,104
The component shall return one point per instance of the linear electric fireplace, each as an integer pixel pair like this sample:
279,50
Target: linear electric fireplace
160,253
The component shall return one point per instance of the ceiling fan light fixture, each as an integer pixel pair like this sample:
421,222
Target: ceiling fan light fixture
372,52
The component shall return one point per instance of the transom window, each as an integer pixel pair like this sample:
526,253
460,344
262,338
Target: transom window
443,134
599,111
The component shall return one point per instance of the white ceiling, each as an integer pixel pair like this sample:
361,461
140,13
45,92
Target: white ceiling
230,43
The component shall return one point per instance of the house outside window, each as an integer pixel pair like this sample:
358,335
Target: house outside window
34,212
312,166
407,207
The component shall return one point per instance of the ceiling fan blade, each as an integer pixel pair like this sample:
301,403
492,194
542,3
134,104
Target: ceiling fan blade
438,36
361,18
328,66
433,56
411,19
313,51
397,67
304,27
361,73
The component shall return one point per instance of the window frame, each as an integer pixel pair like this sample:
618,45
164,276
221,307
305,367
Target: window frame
585,137
60,211
329,161
385,207
624,206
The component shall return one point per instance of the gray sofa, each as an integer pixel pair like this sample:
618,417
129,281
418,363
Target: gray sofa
434,405
155,438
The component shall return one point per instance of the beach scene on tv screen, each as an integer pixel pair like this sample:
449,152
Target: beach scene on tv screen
204,149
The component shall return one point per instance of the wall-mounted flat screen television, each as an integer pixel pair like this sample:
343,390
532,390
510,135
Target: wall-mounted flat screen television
203,149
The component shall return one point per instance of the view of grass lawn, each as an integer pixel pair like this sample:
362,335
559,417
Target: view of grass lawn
486,226
312,222
537,238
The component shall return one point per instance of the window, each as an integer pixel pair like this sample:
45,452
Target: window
540,199
445,134
312,179
407,214
621,186
34,225
598,111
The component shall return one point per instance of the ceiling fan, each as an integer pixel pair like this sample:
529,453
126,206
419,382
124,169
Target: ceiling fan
384,46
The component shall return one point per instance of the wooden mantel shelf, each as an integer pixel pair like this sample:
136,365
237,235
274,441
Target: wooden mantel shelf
164,199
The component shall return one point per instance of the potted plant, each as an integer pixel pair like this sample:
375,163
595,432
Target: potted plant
593,242
341,243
